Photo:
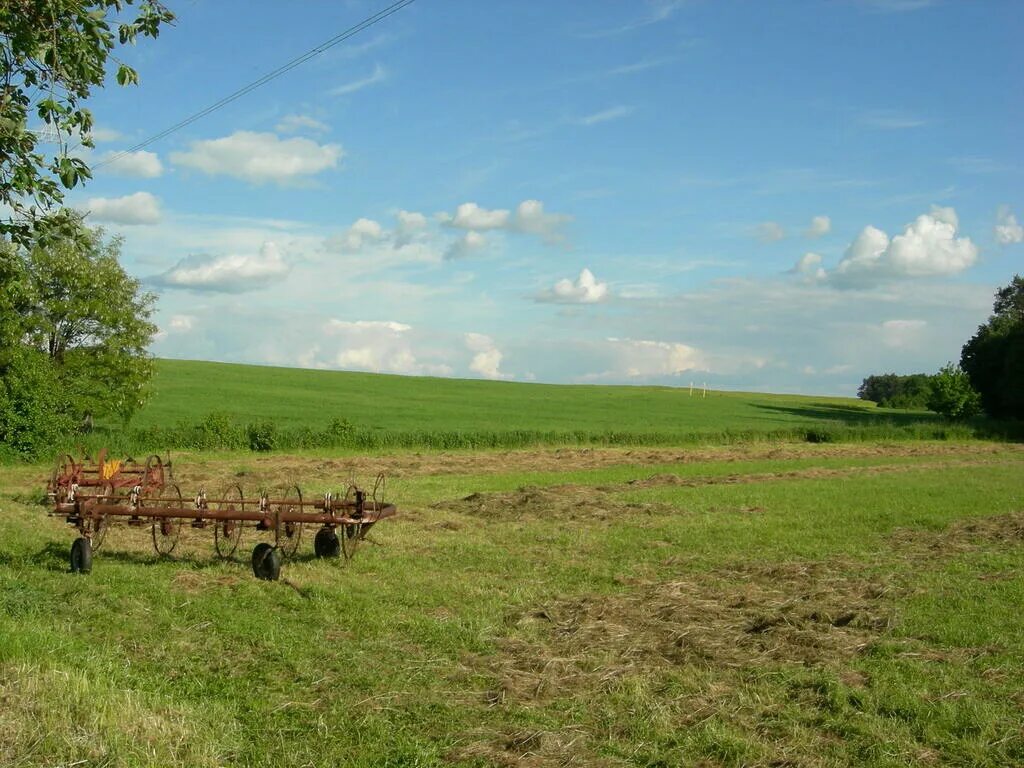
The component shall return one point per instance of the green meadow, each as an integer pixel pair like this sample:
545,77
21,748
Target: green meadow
736,580
768,604
211,406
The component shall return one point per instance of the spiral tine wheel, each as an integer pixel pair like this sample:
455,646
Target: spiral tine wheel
227,533
98,525
167,530
289,535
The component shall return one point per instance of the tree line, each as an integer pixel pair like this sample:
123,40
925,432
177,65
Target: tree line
989,377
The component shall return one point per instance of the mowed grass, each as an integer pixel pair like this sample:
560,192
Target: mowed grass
289,397
807,605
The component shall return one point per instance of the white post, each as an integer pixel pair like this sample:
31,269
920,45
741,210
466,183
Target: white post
691,389
705,390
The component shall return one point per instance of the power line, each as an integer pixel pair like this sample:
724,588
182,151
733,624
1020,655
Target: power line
313,52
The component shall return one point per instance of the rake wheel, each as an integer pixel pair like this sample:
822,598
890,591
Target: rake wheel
167,530
227,533
288,535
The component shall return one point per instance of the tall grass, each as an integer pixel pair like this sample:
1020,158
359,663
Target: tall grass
219,432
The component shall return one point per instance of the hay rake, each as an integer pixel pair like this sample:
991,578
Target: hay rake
143,498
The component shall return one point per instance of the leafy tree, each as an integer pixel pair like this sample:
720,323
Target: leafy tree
952,394
91,320
994,357
893,391
32,412
74,329
52,53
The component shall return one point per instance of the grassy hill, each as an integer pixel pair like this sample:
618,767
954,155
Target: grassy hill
293,397
204,405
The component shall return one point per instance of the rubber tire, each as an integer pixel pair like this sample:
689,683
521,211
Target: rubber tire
326,543
81,555
266,562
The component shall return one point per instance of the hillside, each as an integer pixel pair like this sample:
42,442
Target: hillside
294,398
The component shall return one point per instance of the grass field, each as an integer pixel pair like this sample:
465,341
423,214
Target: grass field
761,604
198,405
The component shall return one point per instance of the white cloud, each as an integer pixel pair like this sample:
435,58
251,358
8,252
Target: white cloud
809,267
529,218
472,216
586,290
362,232
606,115
641,358
139,208
532,219
466,245
928,246
300,124
487,357
379,75
378,346
1007,230
141,164
410,225
769,232
820,225
260,157
900,334
234,273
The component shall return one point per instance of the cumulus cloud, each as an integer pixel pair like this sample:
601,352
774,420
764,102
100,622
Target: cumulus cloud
820,225
1007,231
260,157
585,290
472,216
529,218
234,273
300,124
362,232
769,232
139,208
929,246
141,164
466,245
532,219
378,346
410,225
809,267
486,358
606,115
642,358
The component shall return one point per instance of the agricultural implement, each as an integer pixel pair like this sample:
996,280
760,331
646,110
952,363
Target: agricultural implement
92,496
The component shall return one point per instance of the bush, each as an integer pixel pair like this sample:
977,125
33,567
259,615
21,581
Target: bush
263,436
952,394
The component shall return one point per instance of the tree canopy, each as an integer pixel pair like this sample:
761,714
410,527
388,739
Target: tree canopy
993,358
74,329
52,54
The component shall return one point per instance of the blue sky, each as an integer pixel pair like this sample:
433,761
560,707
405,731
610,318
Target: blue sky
775,196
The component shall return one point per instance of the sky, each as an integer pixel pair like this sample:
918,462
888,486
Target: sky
778,197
